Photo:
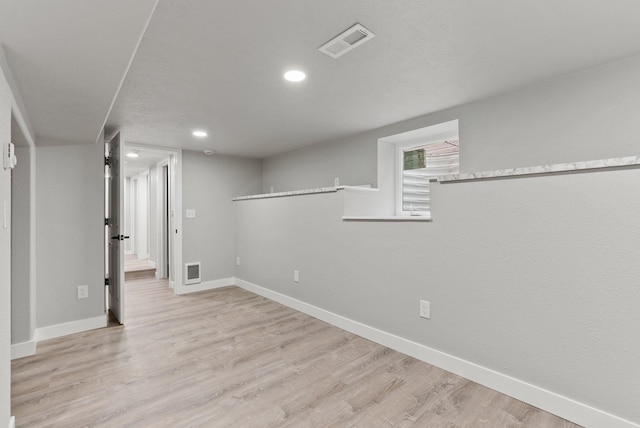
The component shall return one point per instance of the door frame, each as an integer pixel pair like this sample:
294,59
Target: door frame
174,163
162,206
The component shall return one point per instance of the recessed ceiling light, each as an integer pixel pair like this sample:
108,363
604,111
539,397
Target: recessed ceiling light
132,155
199,134
295,76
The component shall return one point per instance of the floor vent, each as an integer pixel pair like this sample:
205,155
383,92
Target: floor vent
192,273
346,41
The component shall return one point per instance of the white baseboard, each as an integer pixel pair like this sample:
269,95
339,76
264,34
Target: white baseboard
23,349
207,285
12,422
142,256
72,327
549,401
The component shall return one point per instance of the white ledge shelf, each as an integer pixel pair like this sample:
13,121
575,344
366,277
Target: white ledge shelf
559,168
386,218
289,193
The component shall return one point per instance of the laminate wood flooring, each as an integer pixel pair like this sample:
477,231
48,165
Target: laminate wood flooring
135,268
230,358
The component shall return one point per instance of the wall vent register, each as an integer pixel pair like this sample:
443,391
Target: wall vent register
192,273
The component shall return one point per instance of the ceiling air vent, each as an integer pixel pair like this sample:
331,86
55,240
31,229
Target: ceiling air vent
345,41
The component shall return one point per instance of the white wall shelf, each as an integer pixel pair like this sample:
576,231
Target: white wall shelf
289,193
387,218
559,168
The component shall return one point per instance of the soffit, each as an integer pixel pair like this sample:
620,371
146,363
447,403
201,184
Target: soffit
68,58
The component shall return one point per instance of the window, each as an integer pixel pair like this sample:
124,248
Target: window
420,163
419,155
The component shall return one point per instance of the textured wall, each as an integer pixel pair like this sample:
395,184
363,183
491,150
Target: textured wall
581,116
22,328
69,232
536,278
5,260
208,185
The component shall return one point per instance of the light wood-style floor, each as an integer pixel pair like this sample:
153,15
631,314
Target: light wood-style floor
229,358
135,268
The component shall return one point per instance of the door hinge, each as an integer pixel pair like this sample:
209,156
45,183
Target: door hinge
106,222
107,160
106,281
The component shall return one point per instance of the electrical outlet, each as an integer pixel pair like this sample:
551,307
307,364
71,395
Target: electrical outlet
296,276
238,261
336,181
191,213
83,291
425,309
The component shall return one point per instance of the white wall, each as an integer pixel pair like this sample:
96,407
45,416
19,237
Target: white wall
5,260
141,230
208,185
128,214
581,116
535,278
22,284
69,232
153,214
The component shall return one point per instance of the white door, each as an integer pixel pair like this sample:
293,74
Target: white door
116,238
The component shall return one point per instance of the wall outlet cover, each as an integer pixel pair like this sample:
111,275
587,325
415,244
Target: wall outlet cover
83,291
425,309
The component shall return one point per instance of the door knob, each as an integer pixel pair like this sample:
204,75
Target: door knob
120,237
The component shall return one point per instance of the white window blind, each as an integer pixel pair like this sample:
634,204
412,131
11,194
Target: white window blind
422,163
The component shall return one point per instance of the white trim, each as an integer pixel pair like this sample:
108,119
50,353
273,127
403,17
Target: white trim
153,264
161,218
12,422
57,330
23,349
207,285
549,401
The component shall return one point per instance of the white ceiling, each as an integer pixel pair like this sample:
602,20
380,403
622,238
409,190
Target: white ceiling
68,58
217,65
145,160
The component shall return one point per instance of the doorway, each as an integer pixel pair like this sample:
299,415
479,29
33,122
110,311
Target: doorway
150,199
145,183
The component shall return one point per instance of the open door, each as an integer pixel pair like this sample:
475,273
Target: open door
115,190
